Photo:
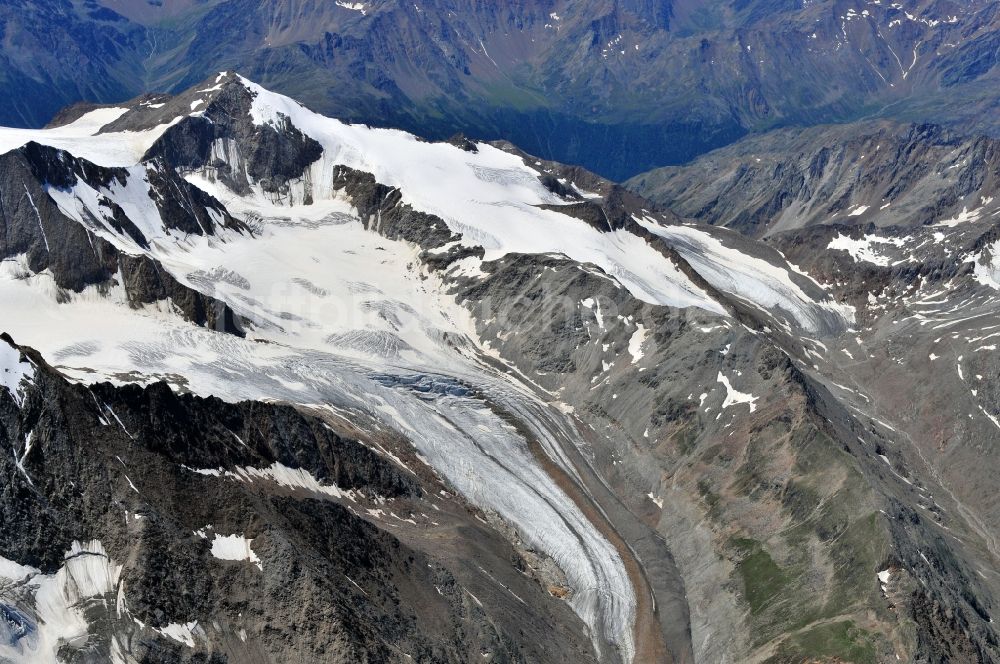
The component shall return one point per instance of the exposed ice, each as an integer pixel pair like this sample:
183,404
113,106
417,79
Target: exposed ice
61,601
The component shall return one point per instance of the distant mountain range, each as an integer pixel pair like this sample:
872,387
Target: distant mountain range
619,86
880,174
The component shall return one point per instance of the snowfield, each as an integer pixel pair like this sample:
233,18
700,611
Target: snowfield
81,139
491,198
14,372
865,249
770,286
235,548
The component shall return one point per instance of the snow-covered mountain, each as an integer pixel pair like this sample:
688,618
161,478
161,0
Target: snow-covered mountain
438,401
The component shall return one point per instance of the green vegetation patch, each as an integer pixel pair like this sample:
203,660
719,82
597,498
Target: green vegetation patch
763,579
840,641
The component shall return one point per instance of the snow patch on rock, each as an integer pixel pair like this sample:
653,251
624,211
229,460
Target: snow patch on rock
180,632
15,373
865,249
636,341
235,547
734,396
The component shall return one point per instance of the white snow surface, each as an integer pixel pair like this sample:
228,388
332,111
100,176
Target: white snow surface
81,139
965,216
987,266
865,249
768,285
355,6
12,571
181,632
883,579
280,474
348,314
14,372
83,203
636,341
490,197
235,547
734,396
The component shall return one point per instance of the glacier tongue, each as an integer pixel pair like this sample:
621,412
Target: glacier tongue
768,285
348,315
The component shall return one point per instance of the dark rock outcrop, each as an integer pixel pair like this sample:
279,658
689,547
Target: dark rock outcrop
77,255
159,477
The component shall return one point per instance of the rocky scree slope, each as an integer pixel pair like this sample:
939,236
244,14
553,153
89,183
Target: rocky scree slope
899,222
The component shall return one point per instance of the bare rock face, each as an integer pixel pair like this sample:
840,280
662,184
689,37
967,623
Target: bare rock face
272,155
877,173
77,256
